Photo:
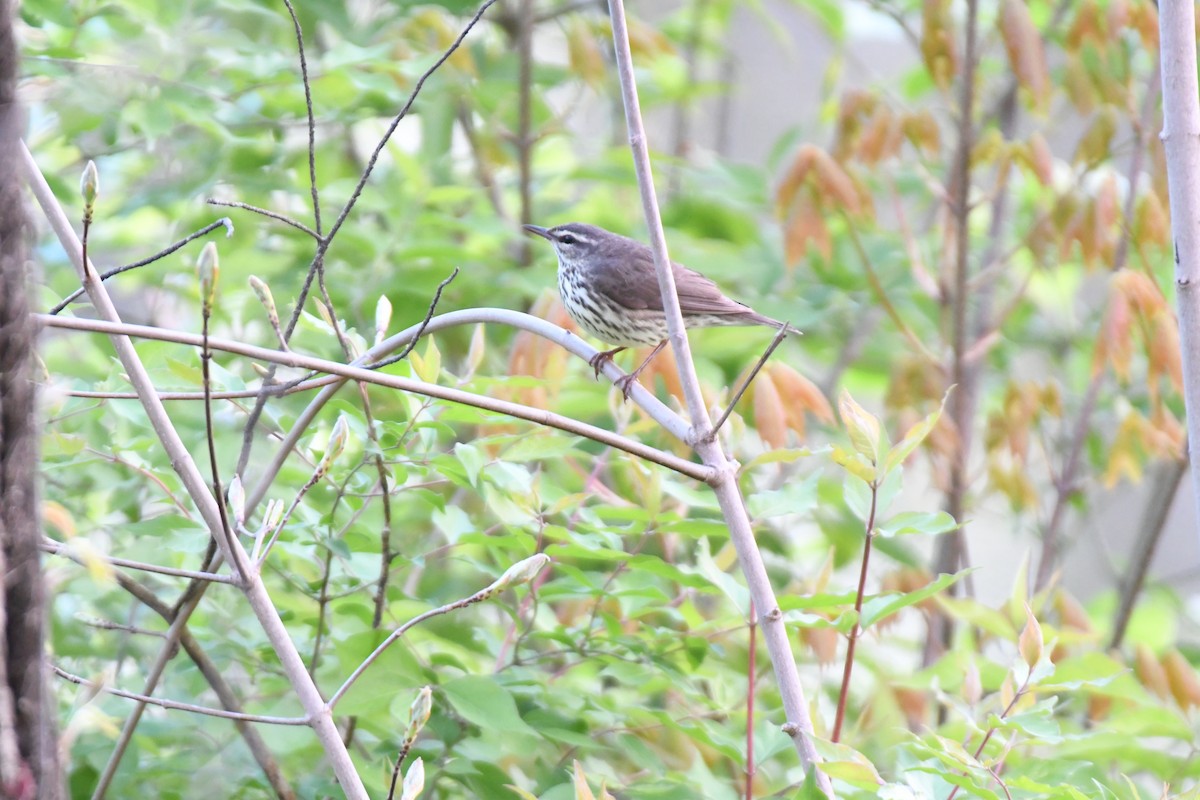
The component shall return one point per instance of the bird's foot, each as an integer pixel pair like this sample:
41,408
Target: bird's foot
598,361
625,383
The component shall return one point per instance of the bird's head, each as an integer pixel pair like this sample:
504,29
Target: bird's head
573,241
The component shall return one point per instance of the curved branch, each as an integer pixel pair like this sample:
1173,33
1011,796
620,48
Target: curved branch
293,359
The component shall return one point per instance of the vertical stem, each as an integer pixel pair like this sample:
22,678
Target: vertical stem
1164,485
951,548
681,133
857,629
751,680
724,482
524,31
1181,141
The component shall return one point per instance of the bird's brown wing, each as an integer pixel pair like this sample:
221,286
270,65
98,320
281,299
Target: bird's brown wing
635,286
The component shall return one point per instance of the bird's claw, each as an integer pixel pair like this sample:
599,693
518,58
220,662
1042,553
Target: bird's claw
598,361
625,383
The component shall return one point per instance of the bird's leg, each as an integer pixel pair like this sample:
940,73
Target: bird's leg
598,361
625,382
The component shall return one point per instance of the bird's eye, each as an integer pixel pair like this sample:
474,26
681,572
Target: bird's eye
566,238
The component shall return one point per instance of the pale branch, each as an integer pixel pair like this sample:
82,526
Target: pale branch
181,460
58,548
725,486
294,359
1181,142
173,705
241,394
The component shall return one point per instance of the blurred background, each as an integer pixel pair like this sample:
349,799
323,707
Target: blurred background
811,157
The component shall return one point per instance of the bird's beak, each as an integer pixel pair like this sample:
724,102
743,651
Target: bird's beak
539,231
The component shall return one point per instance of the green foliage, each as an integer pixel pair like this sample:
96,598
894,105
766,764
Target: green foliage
627,661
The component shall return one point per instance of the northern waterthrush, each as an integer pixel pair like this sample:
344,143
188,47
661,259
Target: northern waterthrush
609,287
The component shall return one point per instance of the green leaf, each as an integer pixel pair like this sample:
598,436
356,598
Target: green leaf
923,522
914,436
863,428
854,464
486,703
472,460
879,607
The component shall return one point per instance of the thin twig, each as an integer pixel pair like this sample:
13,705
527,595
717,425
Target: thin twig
275,215
524,43
779,337
58,548
491,590
433,304
175,706
223,222
241,394
323,243
1158,504
856,631
400,756
751,688
882,298
308,107
362,181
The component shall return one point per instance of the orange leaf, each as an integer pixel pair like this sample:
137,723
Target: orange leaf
799,395
1163,350
1181,677
1096,144
1151,224
796,176
938,41
806,225
922,130
1150,673
1026,54
833,183
770,418
1041,158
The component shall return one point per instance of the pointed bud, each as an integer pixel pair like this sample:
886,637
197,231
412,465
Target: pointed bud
972,688
418,713
383,317
414,781
521,572
337,439
266,298
89,184
334,447
273,515
237,500
1030,642
208,267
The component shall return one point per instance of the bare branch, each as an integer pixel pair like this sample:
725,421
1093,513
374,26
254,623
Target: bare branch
223,222
58,548
292,359
176,706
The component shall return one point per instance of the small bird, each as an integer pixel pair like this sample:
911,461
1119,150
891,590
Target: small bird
609,287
